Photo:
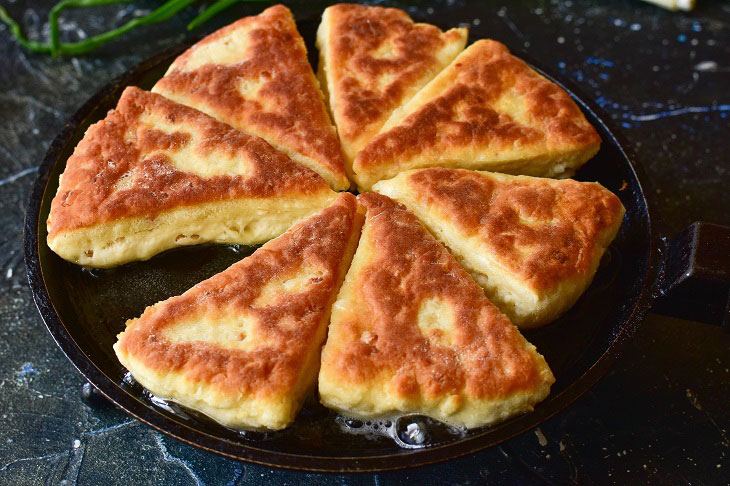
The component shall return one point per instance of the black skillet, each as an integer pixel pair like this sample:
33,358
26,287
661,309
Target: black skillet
84,310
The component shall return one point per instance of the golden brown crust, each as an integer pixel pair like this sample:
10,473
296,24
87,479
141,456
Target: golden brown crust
541,230
487,356
467,112
123,147
287,109
368,45
273,367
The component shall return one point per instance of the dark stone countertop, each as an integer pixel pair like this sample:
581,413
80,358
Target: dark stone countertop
661,416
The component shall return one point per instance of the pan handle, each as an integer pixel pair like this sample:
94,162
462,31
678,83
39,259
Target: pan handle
694,281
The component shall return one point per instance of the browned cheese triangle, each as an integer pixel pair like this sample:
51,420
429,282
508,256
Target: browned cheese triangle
534,244
488,111
372,61
254,75
244,346
155,175
412,332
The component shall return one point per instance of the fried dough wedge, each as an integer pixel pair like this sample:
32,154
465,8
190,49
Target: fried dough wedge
373,60
412,332
254,75
487,111
243,347
155,175
534,244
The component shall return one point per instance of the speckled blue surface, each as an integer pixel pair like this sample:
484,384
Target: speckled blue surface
661,416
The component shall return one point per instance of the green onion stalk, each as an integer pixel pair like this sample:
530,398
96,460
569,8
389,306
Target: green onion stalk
55,47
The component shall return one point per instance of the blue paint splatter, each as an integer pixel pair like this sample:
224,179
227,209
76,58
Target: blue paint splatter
578,75
681,38
237,474
26,372
597,61
603,102
561,65
723,109
111,428
603,76
696,26
626,125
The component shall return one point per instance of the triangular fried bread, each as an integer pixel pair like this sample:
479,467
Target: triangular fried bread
254,75
489,111
534,244
243,347
373,60
412,332
155,175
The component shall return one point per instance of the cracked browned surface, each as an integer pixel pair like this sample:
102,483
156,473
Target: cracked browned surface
124,165
542,230
378,334
486,104
285,328
254,75
376,59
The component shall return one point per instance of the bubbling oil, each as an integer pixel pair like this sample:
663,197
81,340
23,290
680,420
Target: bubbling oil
409,431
